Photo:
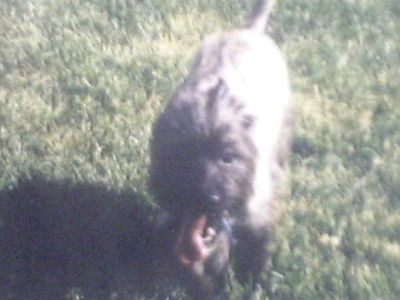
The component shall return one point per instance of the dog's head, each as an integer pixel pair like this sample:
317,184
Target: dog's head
202,153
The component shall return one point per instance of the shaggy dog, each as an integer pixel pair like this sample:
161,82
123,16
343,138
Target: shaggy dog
218,151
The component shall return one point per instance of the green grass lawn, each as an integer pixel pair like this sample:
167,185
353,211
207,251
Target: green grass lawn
82,80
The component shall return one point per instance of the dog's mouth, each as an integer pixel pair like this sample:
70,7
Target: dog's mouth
196,238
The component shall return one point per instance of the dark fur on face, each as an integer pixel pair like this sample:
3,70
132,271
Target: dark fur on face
208,158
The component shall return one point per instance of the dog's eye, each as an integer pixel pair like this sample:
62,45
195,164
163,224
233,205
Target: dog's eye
228,158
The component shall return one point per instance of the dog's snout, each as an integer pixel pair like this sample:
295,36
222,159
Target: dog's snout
213,202
215,198
211,186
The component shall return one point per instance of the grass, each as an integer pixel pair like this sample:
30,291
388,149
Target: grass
82,80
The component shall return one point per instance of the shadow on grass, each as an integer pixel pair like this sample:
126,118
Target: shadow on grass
59,239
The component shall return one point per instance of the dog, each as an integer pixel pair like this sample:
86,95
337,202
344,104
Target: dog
217,154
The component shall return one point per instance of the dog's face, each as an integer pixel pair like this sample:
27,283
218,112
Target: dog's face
206,173
203,155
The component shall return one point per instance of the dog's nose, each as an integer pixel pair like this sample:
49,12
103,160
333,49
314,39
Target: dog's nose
214,198
214,202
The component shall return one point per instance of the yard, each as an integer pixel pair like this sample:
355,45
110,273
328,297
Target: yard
81,82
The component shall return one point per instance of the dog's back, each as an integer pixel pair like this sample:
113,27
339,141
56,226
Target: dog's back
251,67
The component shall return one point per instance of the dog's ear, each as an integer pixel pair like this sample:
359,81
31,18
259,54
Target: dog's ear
248,122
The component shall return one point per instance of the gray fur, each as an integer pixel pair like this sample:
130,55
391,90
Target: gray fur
221,142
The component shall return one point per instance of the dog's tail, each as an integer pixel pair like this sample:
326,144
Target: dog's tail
259,18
